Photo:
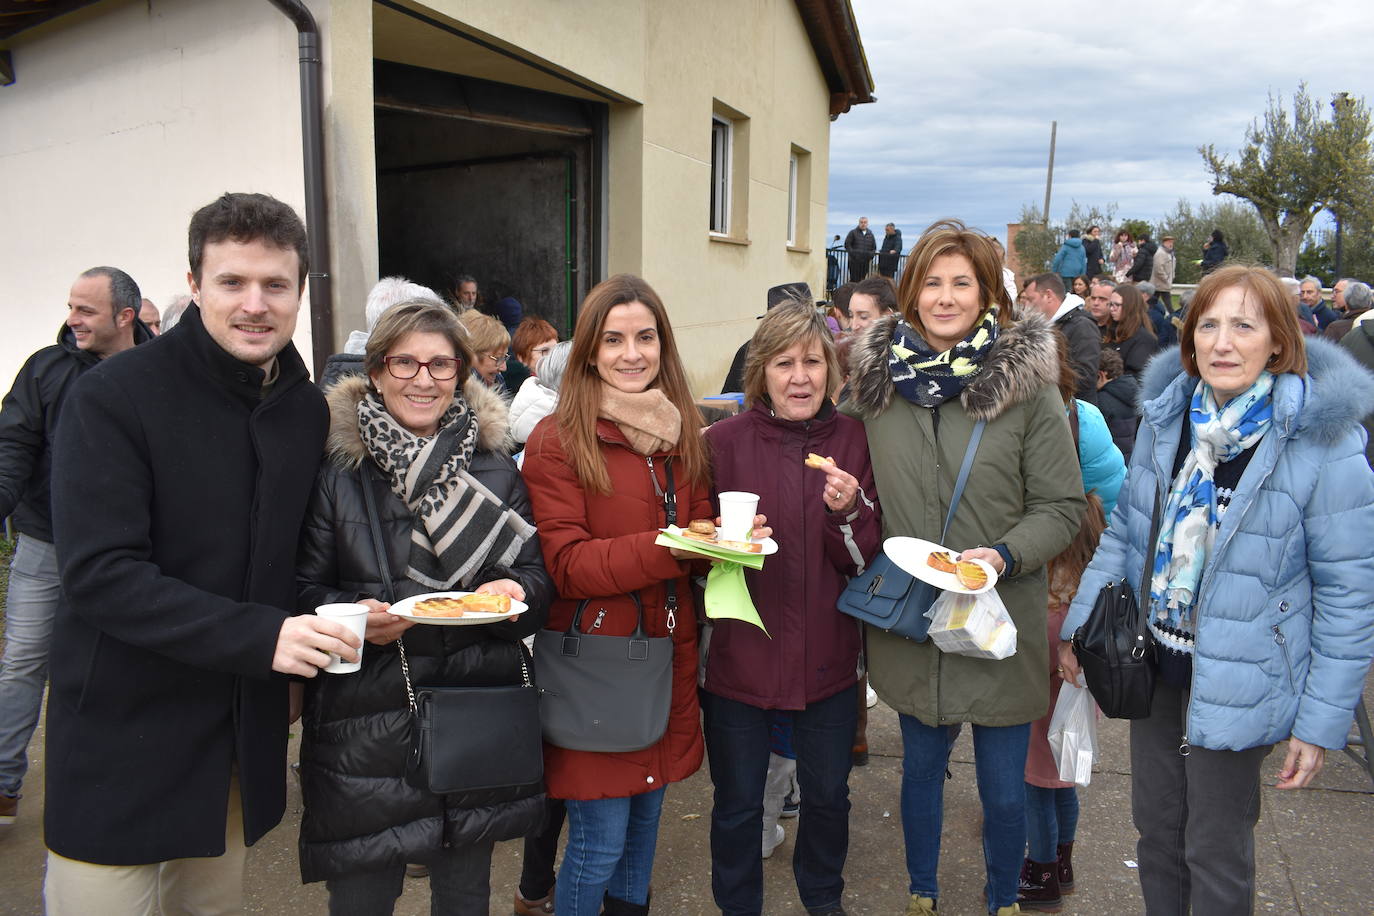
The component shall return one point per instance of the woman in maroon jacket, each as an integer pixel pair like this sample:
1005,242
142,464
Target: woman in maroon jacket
597,471
826,524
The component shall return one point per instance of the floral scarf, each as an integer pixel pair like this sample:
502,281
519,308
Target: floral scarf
927,378
1189,523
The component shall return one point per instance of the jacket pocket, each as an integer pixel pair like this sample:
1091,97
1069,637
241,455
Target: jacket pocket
1282,642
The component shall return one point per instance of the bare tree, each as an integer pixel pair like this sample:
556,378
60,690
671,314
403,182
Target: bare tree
1291,171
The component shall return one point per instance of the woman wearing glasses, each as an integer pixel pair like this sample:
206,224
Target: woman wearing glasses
431,454
491,360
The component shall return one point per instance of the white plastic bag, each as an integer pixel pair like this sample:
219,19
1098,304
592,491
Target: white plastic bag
1073,733
976,625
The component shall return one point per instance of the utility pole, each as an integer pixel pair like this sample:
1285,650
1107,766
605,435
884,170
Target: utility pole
1049,175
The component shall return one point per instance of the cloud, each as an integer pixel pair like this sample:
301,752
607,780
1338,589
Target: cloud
966,93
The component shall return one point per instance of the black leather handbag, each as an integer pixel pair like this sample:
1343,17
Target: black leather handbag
886,596
467,739
1115,647
604,693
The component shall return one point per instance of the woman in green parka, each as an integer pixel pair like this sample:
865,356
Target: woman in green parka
920,382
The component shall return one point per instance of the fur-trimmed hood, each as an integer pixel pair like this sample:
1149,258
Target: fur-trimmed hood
1334,395
345,445
1023,359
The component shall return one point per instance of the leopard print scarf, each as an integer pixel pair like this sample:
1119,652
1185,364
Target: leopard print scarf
461,528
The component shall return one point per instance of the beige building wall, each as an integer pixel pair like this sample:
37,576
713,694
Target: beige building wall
676,64
133,114
123,120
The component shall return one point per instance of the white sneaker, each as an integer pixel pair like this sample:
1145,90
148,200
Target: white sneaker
773,842
871,698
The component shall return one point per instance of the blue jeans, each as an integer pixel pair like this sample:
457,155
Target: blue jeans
610,852
737,742
1051,820
1000,760
29,609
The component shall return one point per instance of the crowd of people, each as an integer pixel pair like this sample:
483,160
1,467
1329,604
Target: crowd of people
456,446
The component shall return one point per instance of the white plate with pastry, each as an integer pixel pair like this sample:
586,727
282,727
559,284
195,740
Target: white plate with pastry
940,566
457,609
754,546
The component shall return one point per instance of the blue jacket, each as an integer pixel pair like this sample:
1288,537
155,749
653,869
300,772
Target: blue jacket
1103,468
1285,629
1071,260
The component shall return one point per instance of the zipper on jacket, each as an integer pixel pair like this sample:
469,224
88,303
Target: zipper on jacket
670,518
1282,642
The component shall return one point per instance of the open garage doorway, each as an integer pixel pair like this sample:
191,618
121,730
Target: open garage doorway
494,181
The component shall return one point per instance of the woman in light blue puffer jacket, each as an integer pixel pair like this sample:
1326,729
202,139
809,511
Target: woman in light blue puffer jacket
1261,590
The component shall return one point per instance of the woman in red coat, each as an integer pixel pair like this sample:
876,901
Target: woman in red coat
598,470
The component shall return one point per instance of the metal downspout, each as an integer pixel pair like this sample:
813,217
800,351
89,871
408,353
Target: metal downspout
312,148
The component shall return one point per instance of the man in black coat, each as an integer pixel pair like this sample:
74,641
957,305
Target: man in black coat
100,322
1144,263
861,245
1046,293
890,254
182,472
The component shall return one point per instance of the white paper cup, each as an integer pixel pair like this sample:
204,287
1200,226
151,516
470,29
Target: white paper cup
737,511
353,616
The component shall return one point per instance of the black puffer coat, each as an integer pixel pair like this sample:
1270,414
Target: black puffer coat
360,813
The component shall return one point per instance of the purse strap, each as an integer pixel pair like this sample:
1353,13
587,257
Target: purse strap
962,479
1142,625
374,525
670,516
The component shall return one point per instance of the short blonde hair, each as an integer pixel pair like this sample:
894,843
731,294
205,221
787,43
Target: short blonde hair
781,329
485,333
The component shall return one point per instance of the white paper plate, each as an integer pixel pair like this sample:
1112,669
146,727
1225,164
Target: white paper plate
911,555
404,608
770,546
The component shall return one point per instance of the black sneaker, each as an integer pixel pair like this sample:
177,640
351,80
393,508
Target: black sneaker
834,909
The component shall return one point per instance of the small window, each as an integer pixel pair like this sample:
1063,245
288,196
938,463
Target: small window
792,168
722,137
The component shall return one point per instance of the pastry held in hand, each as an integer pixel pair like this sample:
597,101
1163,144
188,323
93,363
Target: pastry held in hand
819,461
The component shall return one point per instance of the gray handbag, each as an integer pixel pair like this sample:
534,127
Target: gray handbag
603,693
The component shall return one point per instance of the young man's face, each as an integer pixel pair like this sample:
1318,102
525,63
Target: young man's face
249,295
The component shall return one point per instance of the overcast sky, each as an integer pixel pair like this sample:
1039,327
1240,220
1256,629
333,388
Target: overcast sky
967,90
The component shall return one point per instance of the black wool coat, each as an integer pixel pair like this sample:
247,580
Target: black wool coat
356,728
177,504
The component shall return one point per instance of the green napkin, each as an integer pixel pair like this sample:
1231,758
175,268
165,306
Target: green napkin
727,595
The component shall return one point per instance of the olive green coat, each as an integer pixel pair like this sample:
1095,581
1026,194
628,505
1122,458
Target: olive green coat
1024,491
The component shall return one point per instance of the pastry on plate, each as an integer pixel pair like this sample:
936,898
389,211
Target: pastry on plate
942,560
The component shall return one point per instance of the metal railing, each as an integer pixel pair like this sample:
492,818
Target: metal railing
837,268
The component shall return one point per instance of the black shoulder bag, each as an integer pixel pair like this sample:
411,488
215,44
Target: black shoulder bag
608,693
1115,647
466,739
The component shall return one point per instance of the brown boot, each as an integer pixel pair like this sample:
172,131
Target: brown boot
1039,890
1066,868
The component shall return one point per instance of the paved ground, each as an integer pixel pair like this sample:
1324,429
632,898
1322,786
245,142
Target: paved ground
1313,847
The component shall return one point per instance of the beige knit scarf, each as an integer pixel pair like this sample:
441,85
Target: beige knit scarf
648,419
